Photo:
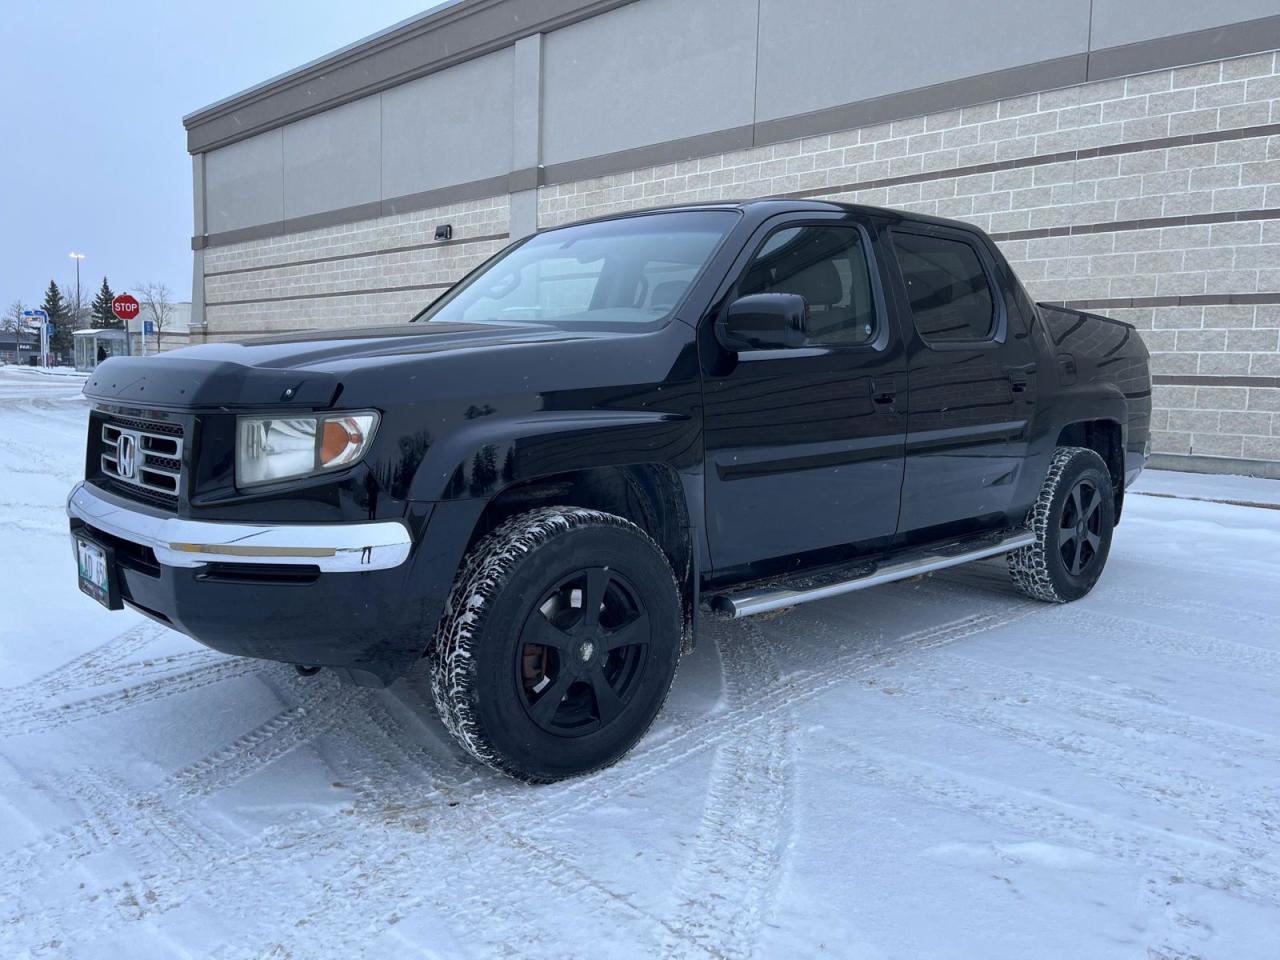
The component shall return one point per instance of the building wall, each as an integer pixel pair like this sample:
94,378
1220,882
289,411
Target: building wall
379,270
1152,196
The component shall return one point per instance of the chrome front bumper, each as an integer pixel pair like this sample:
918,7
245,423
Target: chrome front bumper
332,547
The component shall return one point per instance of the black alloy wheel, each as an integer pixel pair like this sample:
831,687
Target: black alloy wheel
582,650
1072,520
558,643
1080,529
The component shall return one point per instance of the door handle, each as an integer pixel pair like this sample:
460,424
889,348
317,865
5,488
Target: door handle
884,390
1020,375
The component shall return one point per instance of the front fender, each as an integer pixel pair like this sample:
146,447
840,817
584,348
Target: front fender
491,453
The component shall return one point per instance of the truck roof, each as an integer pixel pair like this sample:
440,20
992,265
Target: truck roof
768,206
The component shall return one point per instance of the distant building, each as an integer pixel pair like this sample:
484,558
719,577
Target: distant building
18,347
177,331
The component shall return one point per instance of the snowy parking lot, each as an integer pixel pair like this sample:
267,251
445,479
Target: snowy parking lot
933,769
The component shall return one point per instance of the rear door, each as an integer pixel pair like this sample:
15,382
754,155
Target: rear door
972,382
804,446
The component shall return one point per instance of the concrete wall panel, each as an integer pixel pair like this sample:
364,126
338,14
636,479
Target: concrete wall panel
646,73
451,127
821,53
332,160
1117,22
245,183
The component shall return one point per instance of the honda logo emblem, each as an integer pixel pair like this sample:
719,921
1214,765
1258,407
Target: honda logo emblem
126,455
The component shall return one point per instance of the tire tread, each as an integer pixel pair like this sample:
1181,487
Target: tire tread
1029,566
481,578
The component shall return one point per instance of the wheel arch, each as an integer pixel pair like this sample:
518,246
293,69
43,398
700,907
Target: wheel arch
649,494
1105,437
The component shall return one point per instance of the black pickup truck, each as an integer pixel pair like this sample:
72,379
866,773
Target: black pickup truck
537,482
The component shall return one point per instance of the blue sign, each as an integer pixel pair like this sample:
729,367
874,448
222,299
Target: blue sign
148,326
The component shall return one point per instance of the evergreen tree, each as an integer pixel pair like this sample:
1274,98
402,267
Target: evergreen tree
100,308
60,315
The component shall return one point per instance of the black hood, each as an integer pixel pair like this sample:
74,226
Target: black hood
301,369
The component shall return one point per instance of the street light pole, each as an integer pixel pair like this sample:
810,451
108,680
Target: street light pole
77,257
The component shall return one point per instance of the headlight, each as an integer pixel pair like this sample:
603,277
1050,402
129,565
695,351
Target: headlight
274,448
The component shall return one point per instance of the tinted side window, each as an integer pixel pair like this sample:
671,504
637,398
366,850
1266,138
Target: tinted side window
828,267
946,287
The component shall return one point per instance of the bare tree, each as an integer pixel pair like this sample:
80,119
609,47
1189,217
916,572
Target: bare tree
14,322
157,306
77,307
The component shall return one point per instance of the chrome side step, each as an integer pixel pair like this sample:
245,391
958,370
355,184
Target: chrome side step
748,603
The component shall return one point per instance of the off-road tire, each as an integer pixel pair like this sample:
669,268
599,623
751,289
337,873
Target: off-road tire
475,682
1040,570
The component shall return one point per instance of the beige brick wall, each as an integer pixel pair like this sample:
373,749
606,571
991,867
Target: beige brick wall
372,271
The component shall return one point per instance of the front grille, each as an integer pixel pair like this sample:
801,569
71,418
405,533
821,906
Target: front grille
142,458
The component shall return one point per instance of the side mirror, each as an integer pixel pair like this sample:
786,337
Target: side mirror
764,321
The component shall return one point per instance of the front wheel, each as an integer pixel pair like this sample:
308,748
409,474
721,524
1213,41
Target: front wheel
1072,520
558,644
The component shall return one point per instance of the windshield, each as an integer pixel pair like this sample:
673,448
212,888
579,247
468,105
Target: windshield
631,270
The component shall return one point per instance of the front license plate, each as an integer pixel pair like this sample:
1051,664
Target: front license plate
97,572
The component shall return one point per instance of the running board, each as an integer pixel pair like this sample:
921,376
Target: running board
748,603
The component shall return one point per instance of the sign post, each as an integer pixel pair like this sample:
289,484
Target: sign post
126,308
42,318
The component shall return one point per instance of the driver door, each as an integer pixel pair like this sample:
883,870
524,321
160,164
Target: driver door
805,446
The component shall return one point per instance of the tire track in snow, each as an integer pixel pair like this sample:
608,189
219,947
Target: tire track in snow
795,688
1165,785
298,723
494,819
376,870
1244,565
124,820
146,691
1090,612
1138,713
90,669
114,818
488,828
726,886
488,844
306,715
1180,643
1134,599
1043,817
766,704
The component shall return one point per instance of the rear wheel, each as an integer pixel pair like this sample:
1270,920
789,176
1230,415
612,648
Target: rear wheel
1072,519
558,644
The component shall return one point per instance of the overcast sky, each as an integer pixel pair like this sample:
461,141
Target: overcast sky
91,103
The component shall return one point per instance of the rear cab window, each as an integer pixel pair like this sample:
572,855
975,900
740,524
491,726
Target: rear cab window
949,290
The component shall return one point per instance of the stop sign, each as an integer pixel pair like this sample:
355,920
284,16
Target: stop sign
124,307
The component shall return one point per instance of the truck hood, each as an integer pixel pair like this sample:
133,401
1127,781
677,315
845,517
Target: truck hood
304,348
300,369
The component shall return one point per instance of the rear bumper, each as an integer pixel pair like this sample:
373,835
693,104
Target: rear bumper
344,596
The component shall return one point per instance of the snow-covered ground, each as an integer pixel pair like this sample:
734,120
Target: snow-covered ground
936,769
